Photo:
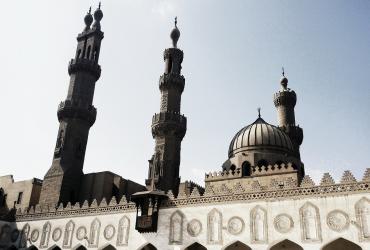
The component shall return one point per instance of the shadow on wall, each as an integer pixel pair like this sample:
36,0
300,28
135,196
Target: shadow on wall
10,236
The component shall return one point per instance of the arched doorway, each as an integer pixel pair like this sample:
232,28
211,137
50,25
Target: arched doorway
148,247
109,247
196,246
341,244
286,245
238,246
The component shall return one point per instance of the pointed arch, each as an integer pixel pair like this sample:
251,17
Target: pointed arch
55,248
214,226
94,233
341,244
45,235
286,245
108,247
362,208
310,222
24,236
238,245
196,246
80,247
68,234
259,228
32,248
148,247
123,231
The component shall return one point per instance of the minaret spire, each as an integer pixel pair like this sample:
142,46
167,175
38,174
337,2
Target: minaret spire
168,126
76,115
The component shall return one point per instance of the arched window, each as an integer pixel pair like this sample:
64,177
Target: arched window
88,52
238,246
195,246
341,244
148,247
286,244
246,168
78,55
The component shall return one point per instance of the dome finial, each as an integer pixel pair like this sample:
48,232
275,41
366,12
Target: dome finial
259,112
98,16
175,34
284,80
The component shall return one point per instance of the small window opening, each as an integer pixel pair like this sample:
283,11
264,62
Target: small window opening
20,196
88,52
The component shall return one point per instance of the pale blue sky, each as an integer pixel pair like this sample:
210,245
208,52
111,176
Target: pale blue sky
234,51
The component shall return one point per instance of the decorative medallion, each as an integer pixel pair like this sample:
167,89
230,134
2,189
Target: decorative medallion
14,235
57,233
283,223
109,232
81,233
337,220
35,235
235,225
194,227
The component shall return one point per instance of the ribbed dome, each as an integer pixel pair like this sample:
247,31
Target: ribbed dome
260,135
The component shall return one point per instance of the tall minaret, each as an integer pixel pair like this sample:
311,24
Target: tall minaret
76,115
285,101
169,126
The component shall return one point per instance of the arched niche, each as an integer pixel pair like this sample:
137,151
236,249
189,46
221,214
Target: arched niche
286,245
341,244
148,247
109,247
238,246
195,246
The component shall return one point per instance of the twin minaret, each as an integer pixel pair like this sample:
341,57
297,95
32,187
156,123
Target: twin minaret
76,115
168,126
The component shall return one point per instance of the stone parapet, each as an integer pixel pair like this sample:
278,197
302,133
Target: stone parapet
82,64
69,109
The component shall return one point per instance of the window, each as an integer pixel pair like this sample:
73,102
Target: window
4,200
20,196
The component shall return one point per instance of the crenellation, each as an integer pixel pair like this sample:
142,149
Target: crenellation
348,177
327,180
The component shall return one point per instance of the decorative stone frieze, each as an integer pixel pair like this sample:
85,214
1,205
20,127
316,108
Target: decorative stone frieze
235,225
283,223
337,220
194,227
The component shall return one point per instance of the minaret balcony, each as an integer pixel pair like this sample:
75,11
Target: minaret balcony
286,97
169,123
171,80
71,110
86,65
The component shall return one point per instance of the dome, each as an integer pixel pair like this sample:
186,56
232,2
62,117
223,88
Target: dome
260,135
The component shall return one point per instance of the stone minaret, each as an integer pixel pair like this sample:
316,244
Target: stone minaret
76,115
169,126
285,101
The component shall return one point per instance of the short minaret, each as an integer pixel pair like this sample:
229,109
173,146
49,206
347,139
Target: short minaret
169,126
285,101
76,115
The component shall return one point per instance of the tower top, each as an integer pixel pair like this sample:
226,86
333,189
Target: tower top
284,80
175,34
98,16
88,20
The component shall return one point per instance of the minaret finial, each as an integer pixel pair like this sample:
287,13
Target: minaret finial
259,112
89,10
175,34
88,20
99,5
284,80
283,73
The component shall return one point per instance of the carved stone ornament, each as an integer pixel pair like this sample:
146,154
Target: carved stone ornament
24,236
259,225
109,232
176,227
35,235
45,235
81,233
310,223
283,223
337,220
363,218
68,234
94,233
235,225
123,231
214,227
57,233
14,235
194,227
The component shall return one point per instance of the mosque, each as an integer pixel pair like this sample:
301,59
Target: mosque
259,199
